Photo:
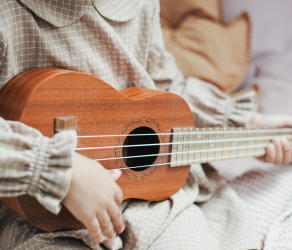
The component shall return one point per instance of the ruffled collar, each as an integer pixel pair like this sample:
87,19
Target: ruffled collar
118,10
62,13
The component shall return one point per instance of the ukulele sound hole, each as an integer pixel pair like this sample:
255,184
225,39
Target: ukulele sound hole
136,139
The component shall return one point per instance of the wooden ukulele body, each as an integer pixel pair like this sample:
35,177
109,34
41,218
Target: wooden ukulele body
36,97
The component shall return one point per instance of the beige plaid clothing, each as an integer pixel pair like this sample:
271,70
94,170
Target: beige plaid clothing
119,41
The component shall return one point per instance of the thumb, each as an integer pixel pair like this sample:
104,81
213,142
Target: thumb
115,173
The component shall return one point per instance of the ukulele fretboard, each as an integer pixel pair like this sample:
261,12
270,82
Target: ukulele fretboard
193,145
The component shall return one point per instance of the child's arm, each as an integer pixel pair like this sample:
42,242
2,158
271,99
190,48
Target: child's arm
41,167
33,164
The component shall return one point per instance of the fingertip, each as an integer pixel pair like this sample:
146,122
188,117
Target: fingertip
95,231
270,149
277,141
102,239
114,236
116,173
122,229
270,155
284,141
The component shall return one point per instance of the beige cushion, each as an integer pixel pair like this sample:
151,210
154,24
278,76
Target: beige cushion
173,11
203,46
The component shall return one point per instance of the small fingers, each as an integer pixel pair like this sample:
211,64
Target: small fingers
278,152
116,217
278,147
118,195
94,230
270,155
106,225
115,173
286,151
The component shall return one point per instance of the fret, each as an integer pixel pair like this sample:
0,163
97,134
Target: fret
175,138
177,150
255,143
202,144
231,143
246,142
190,146
222,143
269,134
180,148
266,134
226,144
196,145
258,143
212,144
183,145
251,142
216,139
178,145
264,142
238,141
209,143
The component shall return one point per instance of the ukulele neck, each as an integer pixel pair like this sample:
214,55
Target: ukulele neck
193,145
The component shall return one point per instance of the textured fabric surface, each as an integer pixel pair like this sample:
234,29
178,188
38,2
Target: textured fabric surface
36,165
213,108
221,223
124,47
267,192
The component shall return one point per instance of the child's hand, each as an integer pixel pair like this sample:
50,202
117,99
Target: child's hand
279,151
94,198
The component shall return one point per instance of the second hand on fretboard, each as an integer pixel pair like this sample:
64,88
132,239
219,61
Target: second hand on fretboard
193,145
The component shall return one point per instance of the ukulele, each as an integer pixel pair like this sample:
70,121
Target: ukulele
148,134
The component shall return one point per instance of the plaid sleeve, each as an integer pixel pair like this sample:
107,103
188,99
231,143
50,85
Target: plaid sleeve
213,108
36,165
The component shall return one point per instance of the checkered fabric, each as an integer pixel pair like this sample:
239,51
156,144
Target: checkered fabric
36,165
267,192
119,41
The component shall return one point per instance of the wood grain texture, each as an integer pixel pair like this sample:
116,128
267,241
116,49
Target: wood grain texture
36,97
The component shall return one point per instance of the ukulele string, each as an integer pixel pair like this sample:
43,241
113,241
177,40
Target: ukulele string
196,132
198,160
185,152
226,132
187,142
